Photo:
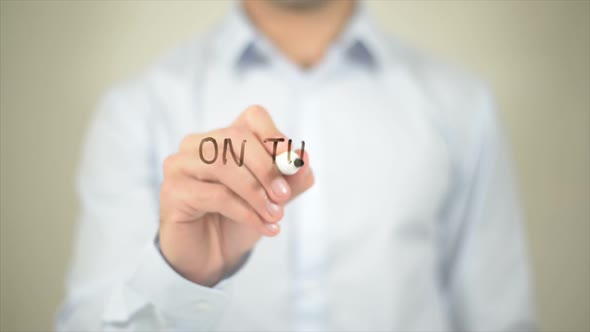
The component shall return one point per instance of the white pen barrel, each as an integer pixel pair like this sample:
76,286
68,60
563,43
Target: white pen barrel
286,166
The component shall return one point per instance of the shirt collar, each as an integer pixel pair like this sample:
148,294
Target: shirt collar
361,41
241,45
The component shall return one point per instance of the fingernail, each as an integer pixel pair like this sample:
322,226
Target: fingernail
273,228
273,209
280,187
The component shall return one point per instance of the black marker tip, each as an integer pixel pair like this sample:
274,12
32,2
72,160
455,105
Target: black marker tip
298,162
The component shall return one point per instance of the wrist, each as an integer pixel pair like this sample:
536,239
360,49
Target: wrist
191,255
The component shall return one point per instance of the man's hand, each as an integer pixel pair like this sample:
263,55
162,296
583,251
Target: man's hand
212,214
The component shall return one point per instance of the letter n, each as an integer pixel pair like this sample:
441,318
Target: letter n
227,142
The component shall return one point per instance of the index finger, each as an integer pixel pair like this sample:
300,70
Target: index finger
257,119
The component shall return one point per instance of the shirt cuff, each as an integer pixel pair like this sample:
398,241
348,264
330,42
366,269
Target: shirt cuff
181,302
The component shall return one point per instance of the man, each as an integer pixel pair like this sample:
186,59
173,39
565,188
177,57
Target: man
403,216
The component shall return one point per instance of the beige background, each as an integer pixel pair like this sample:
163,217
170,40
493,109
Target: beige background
58,57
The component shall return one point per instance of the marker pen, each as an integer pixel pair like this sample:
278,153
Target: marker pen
288,167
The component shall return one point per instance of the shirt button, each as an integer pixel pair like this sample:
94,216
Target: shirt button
202,306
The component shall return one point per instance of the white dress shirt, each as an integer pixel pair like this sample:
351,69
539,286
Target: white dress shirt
413,223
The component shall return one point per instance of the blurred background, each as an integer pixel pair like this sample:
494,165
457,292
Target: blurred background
58,57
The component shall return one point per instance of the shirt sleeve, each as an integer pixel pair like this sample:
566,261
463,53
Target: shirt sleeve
485,266
118,279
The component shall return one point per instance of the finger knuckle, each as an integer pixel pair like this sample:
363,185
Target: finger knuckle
232,132
188,142
236,134
255,112
170,164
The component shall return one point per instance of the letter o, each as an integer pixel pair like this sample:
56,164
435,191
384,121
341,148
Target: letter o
208,139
